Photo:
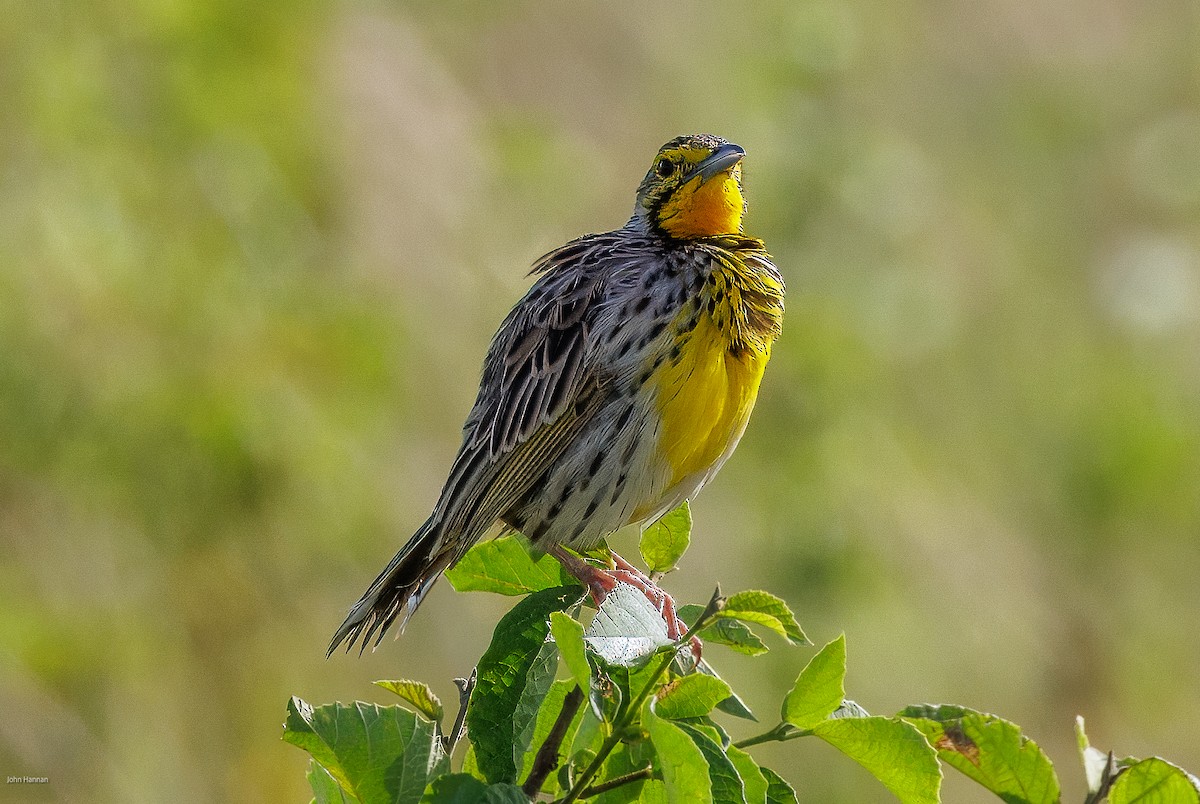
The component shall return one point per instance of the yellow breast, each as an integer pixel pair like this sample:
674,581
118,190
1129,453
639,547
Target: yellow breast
705,398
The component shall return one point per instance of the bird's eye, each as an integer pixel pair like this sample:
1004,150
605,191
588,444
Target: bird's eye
664,168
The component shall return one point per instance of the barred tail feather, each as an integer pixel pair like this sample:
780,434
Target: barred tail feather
399,588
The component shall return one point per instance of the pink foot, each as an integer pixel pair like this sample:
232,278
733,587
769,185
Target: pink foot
600,582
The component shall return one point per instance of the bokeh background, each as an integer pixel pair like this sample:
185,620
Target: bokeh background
251,255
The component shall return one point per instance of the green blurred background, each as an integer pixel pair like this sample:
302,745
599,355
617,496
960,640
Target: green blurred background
251,256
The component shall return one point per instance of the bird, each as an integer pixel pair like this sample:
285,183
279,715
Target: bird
611,393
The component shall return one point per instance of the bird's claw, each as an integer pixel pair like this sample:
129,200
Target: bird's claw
601,582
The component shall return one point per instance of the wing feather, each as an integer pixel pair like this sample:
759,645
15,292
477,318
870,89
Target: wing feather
540,357
540,387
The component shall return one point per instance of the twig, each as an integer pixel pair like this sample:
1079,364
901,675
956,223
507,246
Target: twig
781,733
635,776
1111,772
546,759
465,687
715,604
631,710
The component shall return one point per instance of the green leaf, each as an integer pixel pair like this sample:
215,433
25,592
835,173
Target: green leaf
537,684
711,728
989,750
727,787
325,788
552,705
568,635
778,791
1154,781
376,753
589,733
504,794
455,788
418,694
469,763
690,696
752,776
819,690
731,633
679,759
651,791
627,628
765,609
503,565
664,542
894,752
735,635
459,788
733,705
503,673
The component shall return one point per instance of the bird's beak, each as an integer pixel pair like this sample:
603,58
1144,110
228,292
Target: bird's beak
718,161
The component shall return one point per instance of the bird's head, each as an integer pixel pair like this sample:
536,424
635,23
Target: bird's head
693,189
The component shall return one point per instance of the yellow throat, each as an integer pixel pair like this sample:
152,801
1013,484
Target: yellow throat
704,208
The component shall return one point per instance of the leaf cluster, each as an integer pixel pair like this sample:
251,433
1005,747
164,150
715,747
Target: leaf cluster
615,711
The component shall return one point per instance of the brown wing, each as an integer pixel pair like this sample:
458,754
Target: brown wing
539,388
540,356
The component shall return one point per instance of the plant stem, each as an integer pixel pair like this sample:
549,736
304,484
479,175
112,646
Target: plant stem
546,759
618,731
781,733
465,687
625,718
576,791
618,781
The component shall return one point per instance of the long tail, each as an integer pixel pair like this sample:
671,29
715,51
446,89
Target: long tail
399,588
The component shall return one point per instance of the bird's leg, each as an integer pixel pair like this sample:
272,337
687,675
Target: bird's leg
601,582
